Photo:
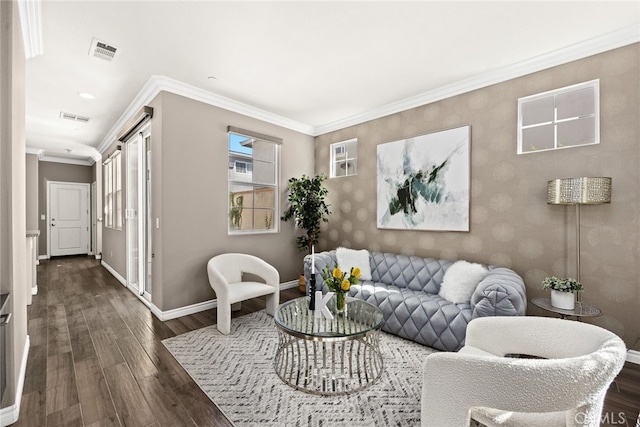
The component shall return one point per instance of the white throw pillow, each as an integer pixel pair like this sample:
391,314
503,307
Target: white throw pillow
460,280
348,258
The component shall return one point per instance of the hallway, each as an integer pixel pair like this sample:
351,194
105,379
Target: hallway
96,356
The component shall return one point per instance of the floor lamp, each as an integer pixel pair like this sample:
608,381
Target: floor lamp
579,191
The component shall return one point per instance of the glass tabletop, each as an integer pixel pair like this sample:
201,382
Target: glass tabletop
581,310
359,318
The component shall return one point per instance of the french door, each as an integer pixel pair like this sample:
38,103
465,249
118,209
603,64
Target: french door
137,213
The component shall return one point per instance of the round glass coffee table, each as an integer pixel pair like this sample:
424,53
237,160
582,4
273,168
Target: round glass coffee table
328,357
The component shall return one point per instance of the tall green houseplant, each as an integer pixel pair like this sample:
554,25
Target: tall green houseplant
308,208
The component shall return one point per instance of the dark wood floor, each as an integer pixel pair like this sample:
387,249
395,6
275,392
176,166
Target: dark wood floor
96,357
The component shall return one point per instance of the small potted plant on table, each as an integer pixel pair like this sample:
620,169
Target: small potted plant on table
563,291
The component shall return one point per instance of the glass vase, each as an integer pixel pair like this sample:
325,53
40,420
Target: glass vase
341,302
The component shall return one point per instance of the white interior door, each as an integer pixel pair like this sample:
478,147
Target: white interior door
68,218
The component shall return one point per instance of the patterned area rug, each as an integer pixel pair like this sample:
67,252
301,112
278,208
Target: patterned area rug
236,371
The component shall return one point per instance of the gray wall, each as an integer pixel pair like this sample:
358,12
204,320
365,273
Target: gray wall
13,262
189,196
32,192
62,172
511,224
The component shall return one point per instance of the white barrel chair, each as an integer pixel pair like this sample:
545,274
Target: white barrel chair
566,386
226,278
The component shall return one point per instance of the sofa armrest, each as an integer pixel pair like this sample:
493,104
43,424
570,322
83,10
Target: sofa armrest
500,293
322,259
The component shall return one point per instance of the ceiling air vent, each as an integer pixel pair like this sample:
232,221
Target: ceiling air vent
102,50
74,117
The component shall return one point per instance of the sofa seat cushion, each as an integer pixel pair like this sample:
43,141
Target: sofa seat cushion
416,315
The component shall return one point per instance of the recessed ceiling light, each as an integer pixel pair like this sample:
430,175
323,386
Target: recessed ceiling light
86,95
212,78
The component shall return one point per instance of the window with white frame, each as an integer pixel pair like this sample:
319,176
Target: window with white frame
253,182
243,167
561,118
112,169
344,158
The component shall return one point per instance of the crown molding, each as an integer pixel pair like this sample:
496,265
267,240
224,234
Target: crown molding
31,23
149,91
206,97
157,84
37,151
55,159
610,41
88,162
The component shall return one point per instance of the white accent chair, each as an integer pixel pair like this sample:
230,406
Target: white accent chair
225,277
567,388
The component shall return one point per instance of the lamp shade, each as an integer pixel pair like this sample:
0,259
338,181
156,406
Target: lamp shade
579,191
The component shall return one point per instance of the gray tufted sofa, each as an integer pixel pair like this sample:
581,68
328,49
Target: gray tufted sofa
406,289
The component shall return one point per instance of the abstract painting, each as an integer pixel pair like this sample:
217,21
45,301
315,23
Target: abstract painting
423,182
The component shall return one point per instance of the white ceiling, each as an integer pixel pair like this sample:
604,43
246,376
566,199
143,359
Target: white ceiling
316,63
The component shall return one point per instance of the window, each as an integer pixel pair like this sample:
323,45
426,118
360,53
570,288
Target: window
562,118
344,158
243,167
112,169
253,182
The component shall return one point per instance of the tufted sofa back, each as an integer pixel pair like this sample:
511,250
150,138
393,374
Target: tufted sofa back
415,273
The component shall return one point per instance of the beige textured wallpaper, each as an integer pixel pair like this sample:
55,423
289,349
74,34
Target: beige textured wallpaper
511,223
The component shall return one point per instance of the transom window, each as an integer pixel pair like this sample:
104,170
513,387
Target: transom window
561,118
253,182
344,158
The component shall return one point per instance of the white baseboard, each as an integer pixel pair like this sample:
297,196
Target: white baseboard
198,307
37,261
288,285
180,311
43,256
34,290
183,311
114,273
633,356
10,414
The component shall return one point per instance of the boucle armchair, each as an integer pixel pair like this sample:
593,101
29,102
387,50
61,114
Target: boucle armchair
566,388
225,277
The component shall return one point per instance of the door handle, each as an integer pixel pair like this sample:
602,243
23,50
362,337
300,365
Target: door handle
53,225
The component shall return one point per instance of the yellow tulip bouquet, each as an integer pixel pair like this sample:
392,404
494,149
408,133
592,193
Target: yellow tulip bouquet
340,282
